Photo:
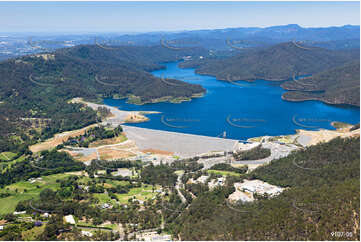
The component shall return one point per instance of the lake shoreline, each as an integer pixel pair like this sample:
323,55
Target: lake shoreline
319,99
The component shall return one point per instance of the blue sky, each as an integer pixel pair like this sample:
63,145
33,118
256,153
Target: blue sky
156,16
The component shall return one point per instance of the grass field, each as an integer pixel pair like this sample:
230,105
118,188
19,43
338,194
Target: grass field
223,173
7,156
104,225
114,183
8,204
103,198
17,191
142,193
4,165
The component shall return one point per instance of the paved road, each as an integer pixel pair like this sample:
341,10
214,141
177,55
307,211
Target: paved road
277,151
304,140
208,163
177,186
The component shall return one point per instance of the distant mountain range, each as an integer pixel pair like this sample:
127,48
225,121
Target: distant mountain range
347,36
343,37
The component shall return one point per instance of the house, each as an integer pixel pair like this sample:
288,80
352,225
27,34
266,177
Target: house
87,233
17,213
140,201
32,180
105,205
69,219
202,179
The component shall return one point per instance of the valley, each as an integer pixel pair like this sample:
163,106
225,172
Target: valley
232,134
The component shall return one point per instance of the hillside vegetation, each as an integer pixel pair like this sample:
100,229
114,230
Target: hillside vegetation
279,62
335,73
337,85
322,197
35,89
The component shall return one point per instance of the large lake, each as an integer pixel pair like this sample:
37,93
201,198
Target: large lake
253,109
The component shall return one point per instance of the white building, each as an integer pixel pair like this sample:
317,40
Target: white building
105,205
202,179
87,233
17,213
216,182
69,219
246,190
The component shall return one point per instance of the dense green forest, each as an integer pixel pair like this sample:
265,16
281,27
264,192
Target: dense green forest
255,153
337,85
228,167
162,174
278,62
322,197
93,134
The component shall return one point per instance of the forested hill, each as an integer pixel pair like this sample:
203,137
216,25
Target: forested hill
322,197
40,86
142,57
92,70
337,86
279,62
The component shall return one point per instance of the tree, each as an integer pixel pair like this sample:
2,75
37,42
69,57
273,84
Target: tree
47,194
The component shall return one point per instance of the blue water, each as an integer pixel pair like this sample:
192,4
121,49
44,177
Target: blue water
253,109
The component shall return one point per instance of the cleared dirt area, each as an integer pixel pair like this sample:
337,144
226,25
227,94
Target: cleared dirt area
129,144
125,149
111,153
135,117
77,173
59,139
81,157
158,152
325,135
